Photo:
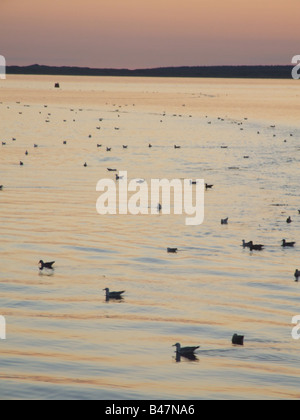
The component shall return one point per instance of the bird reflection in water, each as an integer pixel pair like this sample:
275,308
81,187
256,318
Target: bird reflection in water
46,273
191,357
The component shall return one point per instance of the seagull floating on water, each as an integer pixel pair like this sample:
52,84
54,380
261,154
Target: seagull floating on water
256,247
48,265
113,295
185,351
287,244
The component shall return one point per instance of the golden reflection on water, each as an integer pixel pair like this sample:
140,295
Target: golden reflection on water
61,333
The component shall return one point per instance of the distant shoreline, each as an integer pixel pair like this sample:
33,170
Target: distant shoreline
236,72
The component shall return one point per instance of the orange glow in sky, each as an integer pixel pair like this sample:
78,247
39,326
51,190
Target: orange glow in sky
149,33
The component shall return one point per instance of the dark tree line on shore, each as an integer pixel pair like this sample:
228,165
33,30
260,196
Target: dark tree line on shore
246,72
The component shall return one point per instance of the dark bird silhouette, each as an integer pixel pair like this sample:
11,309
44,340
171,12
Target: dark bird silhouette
177,147
150,145
172,250
1,187
85,165
185,351
111,170
113,295
208,186
108,149
125,147
287,244
47,265
21,163
238,340
256,247
289,220
224,221
297,275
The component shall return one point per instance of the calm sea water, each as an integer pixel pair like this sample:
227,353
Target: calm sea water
63,339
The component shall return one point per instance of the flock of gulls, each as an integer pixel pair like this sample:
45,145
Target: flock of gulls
187,352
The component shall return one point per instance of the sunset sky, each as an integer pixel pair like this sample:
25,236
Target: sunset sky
149,33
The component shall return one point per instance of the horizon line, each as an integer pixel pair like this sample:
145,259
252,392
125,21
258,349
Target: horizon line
148,68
